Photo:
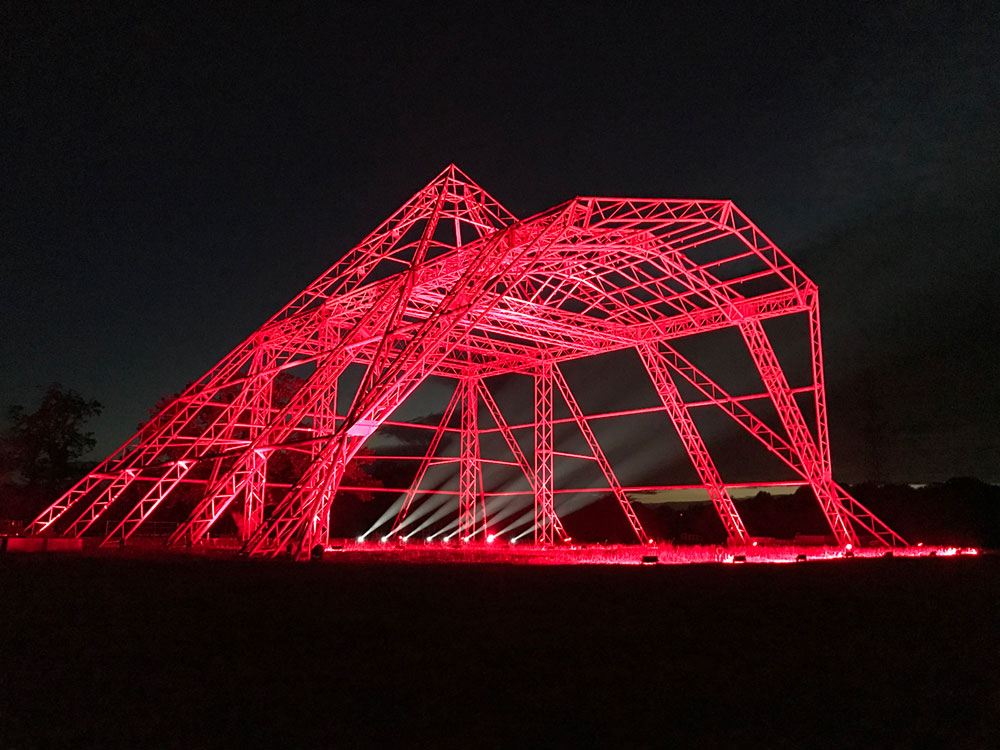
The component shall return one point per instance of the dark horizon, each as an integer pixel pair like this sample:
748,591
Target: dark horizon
172,180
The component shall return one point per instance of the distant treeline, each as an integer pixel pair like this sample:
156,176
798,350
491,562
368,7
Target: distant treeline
961,511
40,454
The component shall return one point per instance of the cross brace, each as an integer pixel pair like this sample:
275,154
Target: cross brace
736,532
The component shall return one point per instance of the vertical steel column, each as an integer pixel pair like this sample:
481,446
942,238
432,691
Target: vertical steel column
260,414
470,490
256,491
819,388
816,469
545,514
515,448
324,426
666,388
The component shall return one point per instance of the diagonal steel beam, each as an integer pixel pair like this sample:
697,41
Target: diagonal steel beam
404,364
817,471
736,532
425,463
598,453
771,440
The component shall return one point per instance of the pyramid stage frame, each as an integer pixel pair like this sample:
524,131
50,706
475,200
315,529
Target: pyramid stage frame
452,287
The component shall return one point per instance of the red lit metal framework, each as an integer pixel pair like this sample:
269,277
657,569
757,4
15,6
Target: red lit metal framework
453,285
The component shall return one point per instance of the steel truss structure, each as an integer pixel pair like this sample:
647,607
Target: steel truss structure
453,285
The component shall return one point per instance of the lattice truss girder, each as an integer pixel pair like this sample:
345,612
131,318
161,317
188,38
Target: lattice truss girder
452,284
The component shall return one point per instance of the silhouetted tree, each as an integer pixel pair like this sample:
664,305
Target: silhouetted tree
40,451
45,445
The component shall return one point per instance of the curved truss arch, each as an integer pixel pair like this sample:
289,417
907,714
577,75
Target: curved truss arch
453,285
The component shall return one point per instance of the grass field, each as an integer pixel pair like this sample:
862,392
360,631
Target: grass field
192,652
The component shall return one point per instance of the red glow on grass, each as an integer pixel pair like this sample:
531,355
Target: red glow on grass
500,552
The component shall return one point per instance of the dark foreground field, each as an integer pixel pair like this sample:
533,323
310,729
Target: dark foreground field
209,653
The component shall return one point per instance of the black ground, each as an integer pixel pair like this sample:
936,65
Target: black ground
213,653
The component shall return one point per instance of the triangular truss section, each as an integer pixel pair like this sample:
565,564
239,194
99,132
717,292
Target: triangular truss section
453,285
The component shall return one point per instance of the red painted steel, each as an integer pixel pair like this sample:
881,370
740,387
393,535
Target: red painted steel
471,476
452,285
598,455
736,532
545,513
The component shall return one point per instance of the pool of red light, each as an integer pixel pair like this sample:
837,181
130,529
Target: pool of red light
528,554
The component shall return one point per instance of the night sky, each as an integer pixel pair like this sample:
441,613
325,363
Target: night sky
171,178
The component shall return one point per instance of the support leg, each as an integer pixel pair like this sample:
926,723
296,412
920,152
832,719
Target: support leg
667,390
544,507
324,425
469,477
256,490
771,440
515,448
816,468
